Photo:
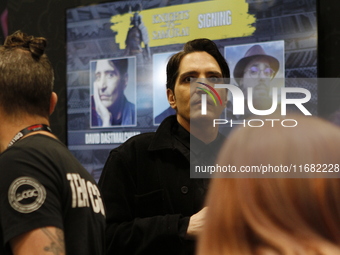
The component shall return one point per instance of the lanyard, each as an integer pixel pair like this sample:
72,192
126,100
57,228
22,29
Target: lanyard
30,129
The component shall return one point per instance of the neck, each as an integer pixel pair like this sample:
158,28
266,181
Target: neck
205,133
9,129
202,130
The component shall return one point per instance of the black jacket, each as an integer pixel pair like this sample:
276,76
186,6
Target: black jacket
149,195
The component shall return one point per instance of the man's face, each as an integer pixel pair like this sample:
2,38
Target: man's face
258,75
187,102
108,82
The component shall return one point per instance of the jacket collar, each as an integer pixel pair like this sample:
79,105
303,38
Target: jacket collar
170,133
164,136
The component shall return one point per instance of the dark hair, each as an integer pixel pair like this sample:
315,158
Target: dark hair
120,64
201,44
27,76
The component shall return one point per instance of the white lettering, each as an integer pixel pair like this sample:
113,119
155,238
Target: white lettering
27,194
170,17
172,32
238,100
84,192
219,121
92,138
96,201
74,195
292,120
116,137
255,122
214,19
297,101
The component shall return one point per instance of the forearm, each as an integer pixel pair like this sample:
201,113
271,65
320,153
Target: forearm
47,240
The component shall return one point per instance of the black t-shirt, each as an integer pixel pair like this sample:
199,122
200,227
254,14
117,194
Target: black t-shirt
42,184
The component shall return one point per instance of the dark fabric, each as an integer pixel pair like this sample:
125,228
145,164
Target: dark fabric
149,195
40,168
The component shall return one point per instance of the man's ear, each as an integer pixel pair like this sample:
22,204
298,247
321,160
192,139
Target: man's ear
53,102
171,98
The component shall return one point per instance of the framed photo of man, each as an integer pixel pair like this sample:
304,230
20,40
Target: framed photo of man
257,67
113,92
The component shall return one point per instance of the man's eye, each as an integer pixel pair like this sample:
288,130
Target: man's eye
189,79
254,70
213,79
111,74
268,72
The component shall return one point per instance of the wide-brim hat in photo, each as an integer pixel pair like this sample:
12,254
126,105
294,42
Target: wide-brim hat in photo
253,52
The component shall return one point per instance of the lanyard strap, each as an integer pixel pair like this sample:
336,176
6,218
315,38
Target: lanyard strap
30,129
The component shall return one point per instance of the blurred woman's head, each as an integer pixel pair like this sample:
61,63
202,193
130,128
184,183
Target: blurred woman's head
277,215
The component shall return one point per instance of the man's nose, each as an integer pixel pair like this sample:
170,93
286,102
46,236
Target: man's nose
262,75
200,86
199,83
203,87
102,83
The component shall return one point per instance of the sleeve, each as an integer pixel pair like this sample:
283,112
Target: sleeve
29,198
127,232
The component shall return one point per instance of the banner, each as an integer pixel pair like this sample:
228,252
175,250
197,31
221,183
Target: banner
117,54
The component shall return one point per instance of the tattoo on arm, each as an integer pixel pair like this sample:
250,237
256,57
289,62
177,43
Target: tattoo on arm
57,245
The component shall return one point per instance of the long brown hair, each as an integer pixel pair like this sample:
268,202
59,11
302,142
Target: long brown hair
276,215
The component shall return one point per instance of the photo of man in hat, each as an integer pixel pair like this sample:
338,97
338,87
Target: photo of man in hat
258,66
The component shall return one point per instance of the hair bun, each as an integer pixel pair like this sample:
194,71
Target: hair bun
36,45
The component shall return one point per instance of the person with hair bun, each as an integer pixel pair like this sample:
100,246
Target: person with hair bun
277,216
49,203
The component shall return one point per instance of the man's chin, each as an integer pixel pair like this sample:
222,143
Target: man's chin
262,102
199,119
107,104
260,93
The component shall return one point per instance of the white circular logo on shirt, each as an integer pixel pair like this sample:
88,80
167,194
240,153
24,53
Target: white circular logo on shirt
26,194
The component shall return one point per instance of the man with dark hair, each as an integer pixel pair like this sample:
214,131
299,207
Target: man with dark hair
153,206
48,202
109,105
256,70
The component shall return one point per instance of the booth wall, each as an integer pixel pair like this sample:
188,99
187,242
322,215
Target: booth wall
47,19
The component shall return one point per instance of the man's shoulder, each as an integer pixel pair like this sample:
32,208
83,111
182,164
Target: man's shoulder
37,142
161,138
129,105
140,140
42,148
143,137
